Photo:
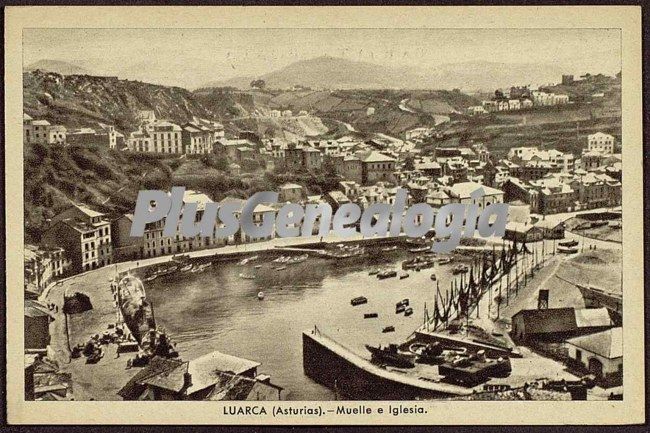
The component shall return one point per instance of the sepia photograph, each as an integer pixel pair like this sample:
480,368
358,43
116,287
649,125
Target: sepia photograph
325,214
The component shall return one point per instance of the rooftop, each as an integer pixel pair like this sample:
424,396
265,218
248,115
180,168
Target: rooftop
608,344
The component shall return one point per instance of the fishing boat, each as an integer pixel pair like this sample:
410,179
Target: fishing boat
136,311
187,267
248,260
408,311
388,329
260,295
445,260
571,243
359,300
419,249
247,276
388,249
370,315
280,268
433,277
388,273
403,275
390,356
419,262
298,259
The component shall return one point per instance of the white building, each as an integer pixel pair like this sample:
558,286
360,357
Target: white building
462,193
514,104
600,142
476,110
601,353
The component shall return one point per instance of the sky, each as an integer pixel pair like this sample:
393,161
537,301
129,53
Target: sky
191,57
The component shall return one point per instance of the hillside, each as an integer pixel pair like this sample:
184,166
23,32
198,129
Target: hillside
109,180
84,100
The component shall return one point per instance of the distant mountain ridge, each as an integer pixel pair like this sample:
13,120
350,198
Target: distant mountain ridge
327,72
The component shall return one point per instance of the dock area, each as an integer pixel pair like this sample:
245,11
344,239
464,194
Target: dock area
331,364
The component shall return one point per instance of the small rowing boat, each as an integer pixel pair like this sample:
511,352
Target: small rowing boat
359,300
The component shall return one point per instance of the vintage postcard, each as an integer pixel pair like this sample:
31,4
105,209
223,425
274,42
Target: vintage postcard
324,215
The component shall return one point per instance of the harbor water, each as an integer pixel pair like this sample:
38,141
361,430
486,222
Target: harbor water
219,309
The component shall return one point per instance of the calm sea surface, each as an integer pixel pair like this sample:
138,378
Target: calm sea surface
219,310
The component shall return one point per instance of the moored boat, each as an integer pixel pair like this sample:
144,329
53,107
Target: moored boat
388,273
248,260
280,268
187,267
433,277
408,311
388,249
419,249
370,315
571,243
566,250
419,262
298,259
400,308
388,329
444,260
390,356
247,276
403,275
359,300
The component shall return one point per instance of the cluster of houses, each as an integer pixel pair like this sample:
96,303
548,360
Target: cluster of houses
588,340
550,181
153,135
162,136
518,98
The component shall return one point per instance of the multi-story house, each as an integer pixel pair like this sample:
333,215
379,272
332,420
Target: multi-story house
41,131
42,266
600,142
105,135
84,234
377,167
197,139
